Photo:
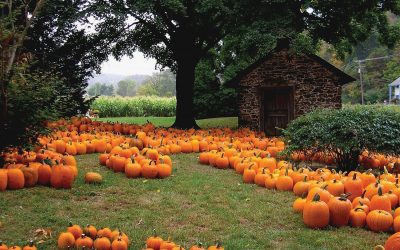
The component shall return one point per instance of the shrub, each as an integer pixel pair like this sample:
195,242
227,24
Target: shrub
135,106
346,133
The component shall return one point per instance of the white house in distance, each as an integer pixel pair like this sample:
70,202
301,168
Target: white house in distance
394,90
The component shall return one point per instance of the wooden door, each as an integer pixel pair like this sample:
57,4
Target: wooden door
278,109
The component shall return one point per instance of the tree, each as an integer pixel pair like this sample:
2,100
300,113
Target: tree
178,34
62,47
159,84
126,88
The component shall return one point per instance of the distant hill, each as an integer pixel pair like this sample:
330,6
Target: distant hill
114,78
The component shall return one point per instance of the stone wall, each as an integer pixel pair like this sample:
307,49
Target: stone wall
314,86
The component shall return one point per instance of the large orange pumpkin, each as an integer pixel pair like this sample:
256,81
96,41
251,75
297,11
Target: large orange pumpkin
316,213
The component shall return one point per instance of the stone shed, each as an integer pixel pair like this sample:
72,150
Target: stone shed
282,86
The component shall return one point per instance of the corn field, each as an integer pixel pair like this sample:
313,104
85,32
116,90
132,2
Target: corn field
134,106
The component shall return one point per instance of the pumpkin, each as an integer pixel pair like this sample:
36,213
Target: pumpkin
44,174
154,241
167,245
116,234
164,170
380,202
30,175
93,178
15,179
149,170
203,158
249,174
119,244
357,217
30,246
379,220
215,247
3,179
316,213
339,211
393,242
396,224
133,170
394,199
298,205
198,246
301,187
84,241
270,182
3,246
324,195
104,232
118,164
62,177
284,182
15,248
361,198
90,231
259,179
222,162
66,241
335,187
354,186
75,230
102,243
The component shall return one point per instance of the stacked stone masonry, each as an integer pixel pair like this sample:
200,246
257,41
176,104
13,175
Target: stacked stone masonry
314,86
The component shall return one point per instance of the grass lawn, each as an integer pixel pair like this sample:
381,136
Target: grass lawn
230,122
196,203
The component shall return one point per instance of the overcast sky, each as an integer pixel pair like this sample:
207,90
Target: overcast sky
129,66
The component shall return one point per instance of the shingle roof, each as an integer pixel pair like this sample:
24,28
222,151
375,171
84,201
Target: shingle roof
396,82
343,77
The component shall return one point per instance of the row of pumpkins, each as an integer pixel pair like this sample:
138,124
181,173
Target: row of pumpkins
249,140
326,197
247,152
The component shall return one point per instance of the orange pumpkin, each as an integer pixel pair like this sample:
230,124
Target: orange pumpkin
379,220
154,241
316,213
339,211
119,244
16,179
84,241
66,241
357,217
3,179
75,230
102,243
393,242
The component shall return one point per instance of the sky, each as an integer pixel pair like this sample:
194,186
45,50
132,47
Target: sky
138,65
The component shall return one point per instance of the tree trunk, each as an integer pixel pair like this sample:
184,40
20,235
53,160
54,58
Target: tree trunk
184,93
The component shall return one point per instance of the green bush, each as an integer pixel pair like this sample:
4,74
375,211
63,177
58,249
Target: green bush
345,133
135,106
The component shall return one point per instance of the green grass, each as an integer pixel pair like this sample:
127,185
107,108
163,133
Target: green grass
230,122
197,203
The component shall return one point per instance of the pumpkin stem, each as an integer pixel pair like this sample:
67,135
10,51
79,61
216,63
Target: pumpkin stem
31,243
154,232
354,176
363,194
316,197
287,171
380,191
70,224
305,178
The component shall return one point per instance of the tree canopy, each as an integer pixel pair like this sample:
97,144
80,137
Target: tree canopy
179,33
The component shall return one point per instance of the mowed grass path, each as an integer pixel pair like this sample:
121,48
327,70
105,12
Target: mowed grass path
230,122
197,203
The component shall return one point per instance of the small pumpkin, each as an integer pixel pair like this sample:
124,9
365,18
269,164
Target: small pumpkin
75,230
357,217
339,211
119,244
93,178
316,213
15,179
102,243
66,241
90,231
380,202
84,241
30,246
154,241
379,220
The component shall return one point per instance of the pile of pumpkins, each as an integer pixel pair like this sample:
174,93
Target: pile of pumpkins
30,246
155,242
90,238
45,167
327,197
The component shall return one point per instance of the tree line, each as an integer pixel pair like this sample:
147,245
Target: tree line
158,84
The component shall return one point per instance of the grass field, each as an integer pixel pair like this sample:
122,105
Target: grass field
196,203
230,122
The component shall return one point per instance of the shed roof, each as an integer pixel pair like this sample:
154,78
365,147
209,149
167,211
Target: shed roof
343,77
396,82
